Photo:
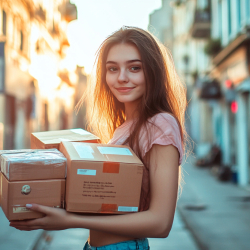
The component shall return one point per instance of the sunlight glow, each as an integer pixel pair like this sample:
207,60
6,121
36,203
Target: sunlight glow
97,19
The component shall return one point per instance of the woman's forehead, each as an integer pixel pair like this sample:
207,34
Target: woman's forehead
123,52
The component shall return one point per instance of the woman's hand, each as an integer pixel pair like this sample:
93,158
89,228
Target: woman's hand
54,219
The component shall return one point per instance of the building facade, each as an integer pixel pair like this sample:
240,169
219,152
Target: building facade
37,88
230,26
223,90
192,64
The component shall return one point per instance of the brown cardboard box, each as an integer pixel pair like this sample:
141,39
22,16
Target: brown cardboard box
52,139
102,178
15,195
12,151
33,165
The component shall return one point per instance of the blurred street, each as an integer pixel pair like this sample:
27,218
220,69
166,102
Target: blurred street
47,51
210,215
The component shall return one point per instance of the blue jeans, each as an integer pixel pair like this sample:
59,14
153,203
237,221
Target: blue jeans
139,244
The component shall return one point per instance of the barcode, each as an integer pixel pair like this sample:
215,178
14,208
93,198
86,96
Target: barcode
127,209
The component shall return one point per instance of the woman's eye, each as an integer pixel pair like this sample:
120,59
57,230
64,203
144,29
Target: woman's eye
112,69
135,68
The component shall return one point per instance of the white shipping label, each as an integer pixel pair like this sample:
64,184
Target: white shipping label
114,151
86,171
80,131
83,151
127,209
20,210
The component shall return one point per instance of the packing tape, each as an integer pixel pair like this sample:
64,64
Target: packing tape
109,208
111,167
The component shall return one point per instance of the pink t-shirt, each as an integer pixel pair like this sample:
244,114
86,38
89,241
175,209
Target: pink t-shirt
165,132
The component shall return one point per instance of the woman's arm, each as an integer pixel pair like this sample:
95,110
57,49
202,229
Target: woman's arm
155,222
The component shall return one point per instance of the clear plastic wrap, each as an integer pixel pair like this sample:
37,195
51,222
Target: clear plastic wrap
36,164
12,152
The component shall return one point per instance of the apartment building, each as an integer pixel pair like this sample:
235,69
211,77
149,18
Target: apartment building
37,89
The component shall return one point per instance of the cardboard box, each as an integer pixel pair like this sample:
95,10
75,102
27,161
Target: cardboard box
33,165
102,178
52,139
12,151
15,195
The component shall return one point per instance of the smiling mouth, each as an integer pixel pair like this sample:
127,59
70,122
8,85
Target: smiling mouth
124,89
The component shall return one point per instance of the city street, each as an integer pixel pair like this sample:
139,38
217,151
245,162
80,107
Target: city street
217,213
77,71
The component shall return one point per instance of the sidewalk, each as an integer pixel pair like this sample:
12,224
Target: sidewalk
12,239
217,213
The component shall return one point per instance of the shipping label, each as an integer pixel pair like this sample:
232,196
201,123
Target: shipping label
86,171
114,151
127,209
20,210
84,151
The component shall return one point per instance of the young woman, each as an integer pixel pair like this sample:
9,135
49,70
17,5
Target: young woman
138,100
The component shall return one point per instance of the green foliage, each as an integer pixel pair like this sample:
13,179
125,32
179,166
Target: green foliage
194,75
212,47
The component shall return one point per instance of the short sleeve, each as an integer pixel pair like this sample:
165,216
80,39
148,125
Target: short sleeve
162,129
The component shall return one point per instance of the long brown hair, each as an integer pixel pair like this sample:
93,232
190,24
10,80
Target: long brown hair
164,90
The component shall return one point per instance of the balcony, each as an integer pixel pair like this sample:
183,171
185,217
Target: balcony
30,6
201,26
210,90
40,14
68,11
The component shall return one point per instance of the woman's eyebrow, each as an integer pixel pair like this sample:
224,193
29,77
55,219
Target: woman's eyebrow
129,61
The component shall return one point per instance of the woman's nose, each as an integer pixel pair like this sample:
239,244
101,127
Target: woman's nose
123,77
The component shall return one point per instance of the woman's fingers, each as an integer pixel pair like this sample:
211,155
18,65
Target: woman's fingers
26,223
39,208
54,219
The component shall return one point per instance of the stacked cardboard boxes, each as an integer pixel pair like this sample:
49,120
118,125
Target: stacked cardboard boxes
101,178
3,152
37,176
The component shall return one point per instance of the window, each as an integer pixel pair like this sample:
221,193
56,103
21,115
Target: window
4,23
21,40
220,18
247,9
229,17
240,16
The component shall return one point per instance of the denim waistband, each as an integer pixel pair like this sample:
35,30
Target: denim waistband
138,244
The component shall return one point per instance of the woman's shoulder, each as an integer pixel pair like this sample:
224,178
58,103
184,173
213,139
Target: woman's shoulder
163,119
163,129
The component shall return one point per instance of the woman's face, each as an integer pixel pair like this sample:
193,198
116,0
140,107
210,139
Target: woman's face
125,76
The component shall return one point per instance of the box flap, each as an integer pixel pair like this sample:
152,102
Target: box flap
52,137
100,152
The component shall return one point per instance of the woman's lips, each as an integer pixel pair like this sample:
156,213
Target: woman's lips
124,89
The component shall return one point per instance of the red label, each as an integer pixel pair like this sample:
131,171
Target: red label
111,167
109,208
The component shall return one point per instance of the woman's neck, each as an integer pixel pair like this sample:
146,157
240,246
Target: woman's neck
131,110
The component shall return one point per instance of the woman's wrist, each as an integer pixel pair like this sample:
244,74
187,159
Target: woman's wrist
72,220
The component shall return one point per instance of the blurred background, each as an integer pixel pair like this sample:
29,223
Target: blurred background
47,50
